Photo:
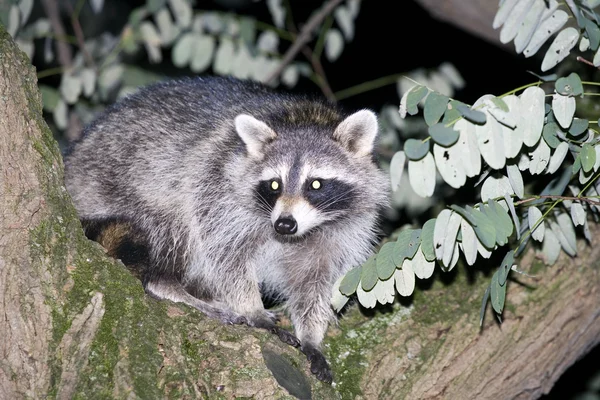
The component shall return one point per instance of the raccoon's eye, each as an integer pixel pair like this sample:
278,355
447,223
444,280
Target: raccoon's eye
316,184
274,185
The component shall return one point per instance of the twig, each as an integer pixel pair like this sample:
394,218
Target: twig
320,71
583,60
583,199
79,35
304,36
65,55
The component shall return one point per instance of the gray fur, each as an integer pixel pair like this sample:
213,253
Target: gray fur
170,160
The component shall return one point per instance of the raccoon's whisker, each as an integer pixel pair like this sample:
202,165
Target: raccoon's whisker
336,199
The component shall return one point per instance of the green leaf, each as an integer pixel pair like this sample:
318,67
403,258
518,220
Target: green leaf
368,276
577,164
593,33
443,135
588,157
569,86
560,47
350,282
485,230
465,214
578,127
549,134
334,44
505,267
498,102
385,261
452,114
338,300
484,301
406,246
427,240
415,95
435,106
50,97
397,169
563,108
416,149
500,219
497,293
476,117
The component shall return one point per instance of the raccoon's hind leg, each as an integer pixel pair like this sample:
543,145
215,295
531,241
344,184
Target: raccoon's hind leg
172,289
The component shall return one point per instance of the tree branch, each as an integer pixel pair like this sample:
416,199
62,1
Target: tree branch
65,55
304,36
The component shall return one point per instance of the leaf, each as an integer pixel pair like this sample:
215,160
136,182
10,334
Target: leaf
588,157
474,116
350,281
338,300
529,25
435,106
443,135
540,157
550,247
502,222
25,7
224,57
416,149
497,293
547,28
495,187
549,134
367,299
427,247
88,81
334,44
532,103
422,268
577,214
368,276
516,180
578,127
593,33
503,12
450,239
60,114
505,267
385,261
290,75
467,143
70,88
439,232
513,23
397,169
563,108
277,10
182,51
414,97
513,213
490,140
168,31
569,86
203,49
384,291
469,242
421,175
568,230
558,157
50,97
501,114
536,223
182,11
485,230
560,48
449,165
405,279
345,21
513,138
406,245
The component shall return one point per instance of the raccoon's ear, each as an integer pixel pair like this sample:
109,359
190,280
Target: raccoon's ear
357,132
254,133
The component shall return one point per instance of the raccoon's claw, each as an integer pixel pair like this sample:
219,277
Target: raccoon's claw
287,337
318,364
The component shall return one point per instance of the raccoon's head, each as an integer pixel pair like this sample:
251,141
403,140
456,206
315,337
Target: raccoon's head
313,175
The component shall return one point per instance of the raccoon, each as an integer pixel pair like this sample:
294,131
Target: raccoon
235,192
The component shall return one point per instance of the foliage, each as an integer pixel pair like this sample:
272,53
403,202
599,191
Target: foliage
509,144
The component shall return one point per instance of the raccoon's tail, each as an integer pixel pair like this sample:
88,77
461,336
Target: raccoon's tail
122,241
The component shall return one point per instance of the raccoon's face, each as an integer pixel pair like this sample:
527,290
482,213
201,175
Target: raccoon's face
310,180
301,198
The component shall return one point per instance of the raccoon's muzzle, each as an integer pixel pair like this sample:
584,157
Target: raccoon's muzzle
286,226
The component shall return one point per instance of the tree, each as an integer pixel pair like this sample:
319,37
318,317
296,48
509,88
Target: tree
77,324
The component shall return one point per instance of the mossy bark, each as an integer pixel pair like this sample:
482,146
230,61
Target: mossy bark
76,324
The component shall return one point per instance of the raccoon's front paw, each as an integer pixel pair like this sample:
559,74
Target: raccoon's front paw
266,322
318,364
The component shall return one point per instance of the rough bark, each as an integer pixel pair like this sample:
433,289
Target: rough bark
76,324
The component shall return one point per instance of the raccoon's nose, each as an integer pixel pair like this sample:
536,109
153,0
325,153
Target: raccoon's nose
286,226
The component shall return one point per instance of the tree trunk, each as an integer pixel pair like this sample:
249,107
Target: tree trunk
77,324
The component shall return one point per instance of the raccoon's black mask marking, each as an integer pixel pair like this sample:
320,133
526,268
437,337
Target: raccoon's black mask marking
265,195
333,195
